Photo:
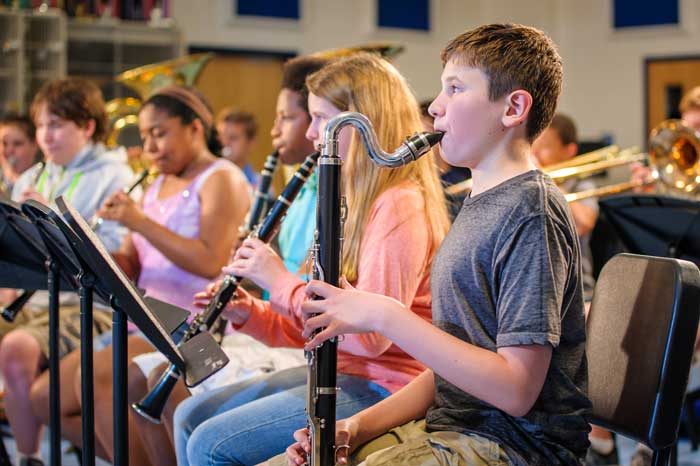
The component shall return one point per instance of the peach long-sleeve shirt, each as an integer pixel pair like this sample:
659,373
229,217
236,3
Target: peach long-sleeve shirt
395,258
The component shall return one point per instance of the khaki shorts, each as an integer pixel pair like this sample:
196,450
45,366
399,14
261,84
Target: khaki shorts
411,445
68,328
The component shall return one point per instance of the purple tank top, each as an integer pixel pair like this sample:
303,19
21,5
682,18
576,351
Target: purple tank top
180,213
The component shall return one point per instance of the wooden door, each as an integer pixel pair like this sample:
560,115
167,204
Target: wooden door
667,80
250,83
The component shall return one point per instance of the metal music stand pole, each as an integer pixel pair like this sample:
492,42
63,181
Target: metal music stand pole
87,283
119,387
53,281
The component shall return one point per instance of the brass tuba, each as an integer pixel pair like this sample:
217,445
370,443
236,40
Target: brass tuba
123,112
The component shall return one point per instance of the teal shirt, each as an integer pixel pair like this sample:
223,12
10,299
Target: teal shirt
297,231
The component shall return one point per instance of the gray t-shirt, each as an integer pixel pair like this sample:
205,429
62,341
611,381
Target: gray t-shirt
509,274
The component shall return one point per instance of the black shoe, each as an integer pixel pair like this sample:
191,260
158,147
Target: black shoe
31,462
593,458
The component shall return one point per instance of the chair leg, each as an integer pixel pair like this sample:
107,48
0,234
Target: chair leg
662,457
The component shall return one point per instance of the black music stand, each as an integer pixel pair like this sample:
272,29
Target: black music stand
59,239
656,225
26,263
84,282
197,359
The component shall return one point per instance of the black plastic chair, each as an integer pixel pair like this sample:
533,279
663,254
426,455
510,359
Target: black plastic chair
641,332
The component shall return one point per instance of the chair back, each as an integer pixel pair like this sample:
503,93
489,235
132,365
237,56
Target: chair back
641,333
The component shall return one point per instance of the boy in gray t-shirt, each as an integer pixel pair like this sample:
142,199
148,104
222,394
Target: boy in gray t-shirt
507,275
506,382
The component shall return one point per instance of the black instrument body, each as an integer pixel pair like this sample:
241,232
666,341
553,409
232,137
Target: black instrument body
151,407
323,360
262,193
331,210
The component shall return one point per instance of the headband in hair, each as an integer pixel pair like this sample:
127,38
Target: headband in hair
192,100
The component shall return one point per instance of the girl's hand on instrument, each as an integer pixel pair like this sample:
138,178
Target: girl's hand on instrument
345,432
201,299
344,310
237,311
257,262
123,209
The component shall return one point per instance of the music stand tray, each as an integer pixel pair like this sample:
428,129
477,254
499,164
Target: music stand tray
197,358
656,225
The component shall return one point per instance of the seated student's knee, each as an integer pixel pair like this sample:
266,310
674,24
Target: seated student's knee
183,418
156,374
20,354
202,448
136,382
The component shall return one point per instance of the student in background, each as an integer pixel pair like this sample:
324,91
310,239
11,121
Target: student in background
237,132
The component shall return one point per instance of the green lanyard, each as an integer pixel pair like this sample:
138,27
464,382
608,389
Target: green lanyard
68,194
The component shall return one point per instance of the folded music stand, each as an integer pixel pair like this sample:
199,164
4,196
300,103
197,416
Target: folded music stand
26,263
197,358
656,225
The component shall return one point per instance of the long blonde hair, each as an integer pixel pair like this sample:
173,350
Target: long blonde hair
369,85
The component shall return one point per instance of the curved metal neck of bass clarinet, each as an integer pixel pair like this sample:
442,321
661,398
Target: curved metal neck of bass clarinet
409,151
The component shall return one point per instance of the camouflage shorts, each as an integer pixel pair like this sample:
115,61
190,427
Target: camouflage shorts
69,328
411,445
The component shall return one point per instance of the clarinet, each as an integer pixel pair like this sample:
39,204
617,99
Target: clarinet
326,257
261,194
152,405
96,220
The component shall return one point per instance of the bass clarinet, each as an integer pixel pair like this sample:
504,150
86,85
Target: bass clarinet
262,194
326,256
151,407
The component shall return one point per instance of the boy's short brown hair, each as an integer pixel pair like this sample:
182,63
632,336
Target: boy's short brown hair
513,57
690,100
294,75
239,117
74,99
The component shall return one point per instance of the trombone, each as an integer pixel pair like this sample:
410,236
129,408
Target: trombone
674,158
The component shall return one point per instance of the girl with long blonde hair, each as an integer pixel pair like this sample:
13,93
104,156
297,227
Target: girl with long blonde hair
396,220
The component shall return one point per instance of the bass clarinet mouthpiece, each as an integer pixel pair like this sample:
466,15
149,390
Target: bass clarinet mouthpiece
419,144
434,137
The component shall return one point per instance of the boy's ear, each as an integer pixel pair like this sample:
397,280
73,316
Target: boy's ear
518,104
90,127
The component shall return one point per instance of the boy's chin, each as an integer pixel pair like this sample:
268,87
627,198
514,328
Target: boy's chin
455,160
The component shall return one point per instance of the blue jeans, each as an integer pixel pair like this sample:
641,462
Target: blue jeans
249,422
